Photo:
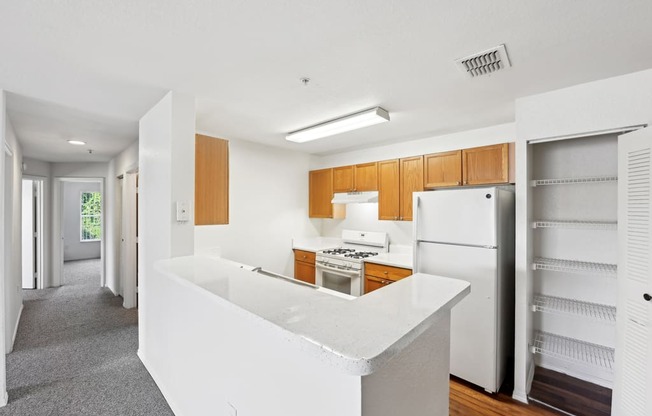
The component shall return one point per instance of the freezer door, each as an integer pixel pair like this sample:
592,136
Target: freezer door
473,320
458,216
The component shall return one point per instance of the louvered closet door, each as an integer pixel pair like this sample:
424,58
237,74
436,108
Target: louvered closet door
633,384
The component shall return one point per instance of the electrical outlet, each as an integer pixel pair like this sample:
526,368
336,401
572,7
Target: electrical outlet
231,410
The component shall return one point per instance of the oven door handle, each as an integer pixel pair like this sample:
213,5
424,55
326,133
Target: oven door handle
340,271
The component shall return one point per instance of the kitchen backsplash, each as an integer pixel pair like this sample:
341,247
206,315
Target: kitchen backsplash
365,217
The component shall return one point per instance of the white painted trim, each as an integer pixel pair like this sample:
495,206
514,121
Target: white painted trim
617,130
522,396
4,398
13,338
159,383
129,268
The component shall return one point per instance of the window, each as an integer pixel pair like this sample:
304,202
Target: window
91,216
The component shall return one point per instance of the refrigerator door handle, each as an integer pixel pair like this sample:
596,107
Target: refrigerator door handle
455,244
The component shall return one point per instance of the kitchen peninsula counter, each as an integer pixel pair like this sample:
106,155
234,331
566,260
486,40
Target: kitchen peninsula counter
340,356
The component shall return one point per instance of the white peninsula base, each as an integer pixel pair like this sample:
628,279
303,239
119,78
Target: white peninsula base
232,342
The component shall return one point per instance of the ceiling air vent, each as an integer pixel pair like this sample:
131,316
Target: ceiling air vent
485,62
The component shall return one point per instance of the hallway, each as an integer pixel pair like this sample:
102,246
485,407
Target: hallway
75,353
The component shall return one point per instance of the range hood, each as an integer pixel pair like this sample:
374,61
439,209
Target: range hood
355,197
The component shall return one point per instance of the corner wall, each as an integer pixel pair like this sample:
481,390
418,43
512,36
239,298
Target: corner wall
166,175
126,161
13,281
268,207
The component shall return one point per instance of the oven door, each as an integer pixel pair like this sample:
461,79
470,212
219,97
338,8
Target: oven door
344,281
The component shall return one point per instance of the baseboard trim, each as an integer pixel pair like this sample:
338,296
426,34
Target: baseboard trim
160,384
522,396
13,338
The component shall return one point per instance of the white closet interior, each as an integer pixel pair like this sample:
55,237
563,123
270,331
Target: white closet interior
574,240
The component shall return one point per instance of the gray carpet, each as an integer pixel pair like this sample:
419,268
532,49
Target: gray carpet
75,353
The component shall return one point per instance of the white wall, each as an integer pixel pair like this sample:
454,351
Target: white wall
13,240
126,161
268,206
601,105
74,248
166,132
3,250
365,216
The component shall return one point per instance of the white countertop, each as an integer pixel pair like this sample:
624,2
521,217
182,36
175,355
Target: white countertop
403,260
355,336
316,243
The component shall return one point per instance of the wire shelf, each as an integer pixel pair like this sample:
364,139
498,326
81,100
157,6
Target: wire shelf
580,225
573,266
570,181
596,311
570,349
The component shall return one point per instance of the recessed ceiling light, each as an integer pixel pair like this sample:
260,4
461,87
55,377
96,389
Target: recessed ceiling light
76,142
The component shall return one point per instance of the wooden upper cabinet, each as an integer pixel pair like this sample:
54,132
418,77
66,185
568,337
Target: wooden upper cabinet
388,190
366,177
411,173
211,180
344,179
363,177
443,169
321,193
488,164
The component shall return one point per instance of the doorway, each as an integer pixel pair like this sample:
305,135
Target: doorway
32,233
79,223
128,184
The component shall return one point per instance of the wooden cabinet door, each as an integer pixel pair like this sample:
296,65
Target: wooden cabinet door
366,177
486,164
388,190
344,179
385,272
321,193
411,180
443,169
304,271
372,283
211,180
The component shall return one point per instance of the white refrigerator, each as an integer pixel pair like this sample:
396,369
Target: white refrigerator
468,234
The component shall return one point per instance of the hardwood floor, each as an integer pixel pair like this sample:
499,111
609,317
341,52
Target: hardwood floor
469,400
570,394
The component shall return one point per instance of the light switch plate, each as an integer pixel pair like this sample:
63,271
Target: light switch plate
183,211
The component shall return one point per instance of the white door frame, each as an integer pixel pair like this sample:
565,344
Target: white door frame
129,241
40,228
57,227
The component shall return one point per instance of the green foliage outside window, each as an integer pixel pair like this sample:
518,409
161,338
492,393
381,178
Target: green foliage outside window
91,216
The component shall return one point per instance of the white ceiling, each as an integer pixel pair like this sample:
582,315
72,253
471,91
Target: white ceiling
243,60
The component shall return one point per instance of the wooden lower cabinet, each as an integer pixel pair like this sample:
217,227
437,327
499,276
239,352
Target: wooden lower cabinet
304,266
379,275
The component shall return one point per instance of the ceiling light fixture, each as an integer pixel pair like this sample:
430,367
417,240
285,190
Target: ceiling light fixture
76,142
340,125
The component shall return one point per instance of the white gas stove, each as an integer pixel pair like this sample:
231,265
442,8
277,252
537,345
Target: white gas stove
341,268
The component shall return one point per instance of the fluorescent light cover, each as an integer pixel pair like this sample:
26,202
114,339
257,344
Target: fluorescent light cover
340,125
76,142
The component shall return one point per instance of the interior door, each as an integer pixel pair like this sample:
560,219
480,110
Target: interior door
633,372
28,235
473,320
